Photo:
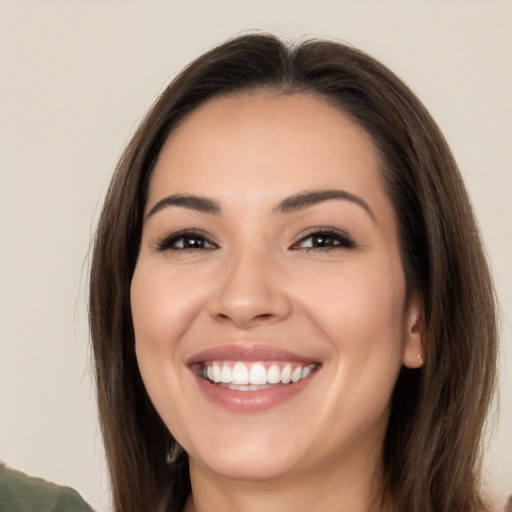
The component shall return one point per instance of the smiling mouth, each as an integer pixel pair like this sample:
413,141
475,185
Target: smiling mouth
253,376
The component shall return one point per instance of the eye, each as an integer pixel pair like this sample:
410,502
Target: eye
325,239
183,241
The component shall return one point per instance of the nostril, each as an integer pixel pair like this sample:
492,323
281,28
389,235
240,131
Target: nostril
247,306
225,316
245,318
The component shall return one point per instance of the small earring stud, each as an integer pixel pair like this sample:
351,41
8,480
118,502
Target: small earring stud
420,359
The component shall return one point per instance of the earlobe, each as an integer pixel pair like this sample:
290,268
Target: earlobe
414,354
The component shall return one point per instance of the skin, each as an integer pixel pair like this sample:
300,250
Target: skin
258,281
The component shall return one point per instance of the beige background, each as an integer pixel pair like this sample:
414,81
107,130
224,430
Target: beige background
76,76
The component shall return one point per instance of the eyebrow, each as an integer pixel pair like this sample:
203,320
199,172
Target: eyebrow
198,203
291,204
310,198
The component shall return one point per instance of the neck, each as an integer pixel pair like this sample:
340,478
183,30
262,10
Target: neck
355,489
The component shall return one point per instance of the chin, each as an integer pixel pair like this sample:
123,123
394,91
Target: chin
251,464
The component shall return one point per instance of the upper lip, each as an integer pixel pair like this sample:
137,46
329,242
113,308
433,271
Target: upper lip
248,353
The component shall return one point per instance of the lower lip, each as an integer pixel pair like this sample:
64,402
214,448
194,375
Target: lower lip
251,401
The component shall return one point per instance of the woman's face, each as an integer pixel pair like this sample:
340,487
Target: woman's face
269,301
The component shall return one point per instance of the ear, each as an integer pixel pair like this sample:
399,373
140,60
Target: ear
414,352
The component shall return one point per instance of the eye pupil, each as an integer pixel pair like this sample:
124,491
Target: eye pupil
323,241
193,243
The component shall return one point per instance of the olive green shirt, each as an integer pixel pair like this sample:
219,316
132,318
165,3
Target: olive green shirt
21,493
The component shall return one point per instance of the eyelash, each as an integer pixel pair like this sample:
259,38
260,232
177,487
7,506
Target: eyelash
171,242
332,238
336,239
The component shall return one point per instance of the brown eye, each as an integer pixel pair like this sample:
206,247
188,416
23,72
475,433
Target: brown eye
325,240
185,241
191,242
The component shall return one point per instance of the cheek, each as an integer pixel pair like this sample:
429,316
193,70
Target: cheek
162,311
149,306
156,312
361,313
162,307
358,313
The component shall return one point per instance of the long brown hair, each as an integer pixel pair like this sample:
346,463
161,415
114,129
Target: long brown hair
431,454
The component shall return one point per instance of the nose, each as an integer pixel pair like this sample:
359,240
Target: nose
250,292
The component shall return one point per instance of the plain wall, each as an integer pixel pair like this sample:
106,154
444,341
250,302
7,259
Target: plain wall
76,77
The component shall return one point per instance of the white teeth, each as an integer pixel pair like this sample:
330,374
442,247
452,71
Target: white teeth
226,374
240,374
286,374
296,374
216,373
258,374
306,371
254,376
274,374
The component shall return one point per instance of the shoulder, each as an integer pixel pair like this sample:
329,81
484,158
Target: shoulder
21,493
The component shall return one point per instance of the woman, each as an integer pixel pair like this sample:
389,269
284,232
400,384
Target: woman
290,306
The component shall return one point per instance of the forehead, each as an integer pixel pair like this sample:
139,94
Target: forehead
268,138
